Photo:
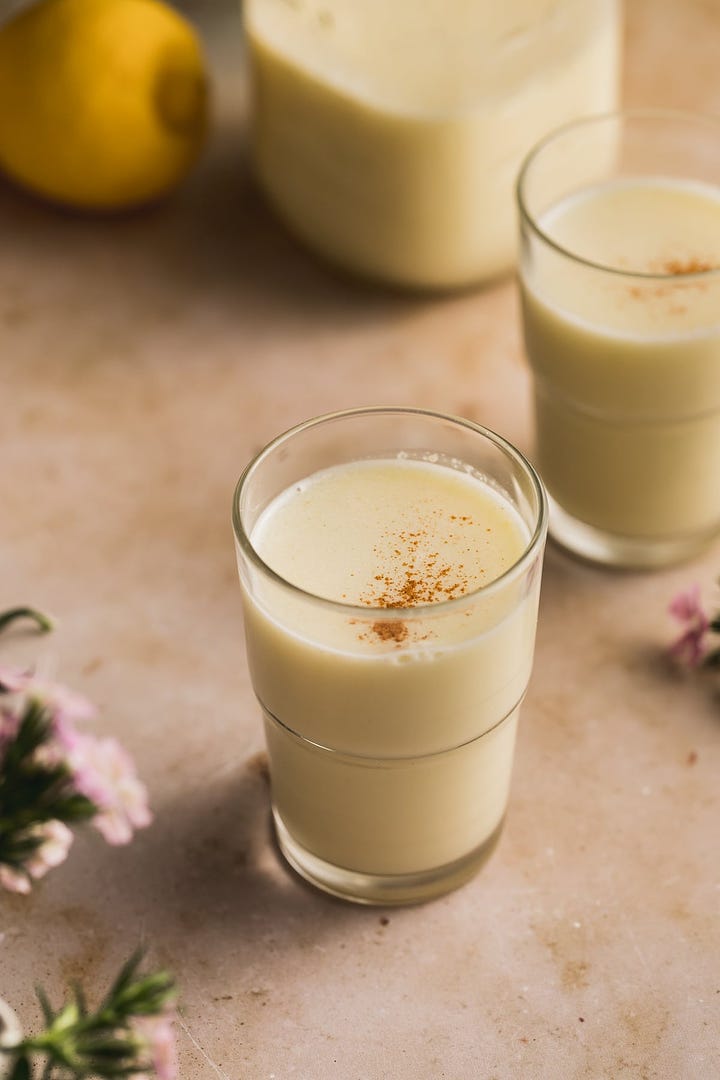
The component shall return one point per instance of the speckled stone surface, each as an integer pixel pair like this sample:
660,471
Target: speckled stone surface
142,361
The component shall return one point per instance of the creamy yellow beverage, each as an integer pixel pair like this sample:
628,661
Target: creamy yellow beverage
626,359
391,704
389,135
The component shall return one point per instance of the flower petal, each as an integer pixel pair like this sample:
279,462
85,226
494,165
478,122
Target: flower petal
13,880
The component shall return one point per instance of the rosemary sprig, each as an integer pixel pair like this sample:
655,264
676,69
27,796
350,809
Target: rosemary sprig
126,1035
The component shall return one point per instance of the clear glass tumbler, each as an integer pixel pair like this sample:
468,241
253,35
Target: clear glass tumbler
620,282
390,730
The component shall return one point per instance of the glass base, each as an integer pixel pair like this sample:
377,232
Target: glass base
626,552
382,889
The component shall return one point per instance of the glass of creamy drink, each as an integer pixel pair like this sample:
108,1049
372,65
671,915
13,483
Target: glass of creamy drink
390,564
620,283
387,134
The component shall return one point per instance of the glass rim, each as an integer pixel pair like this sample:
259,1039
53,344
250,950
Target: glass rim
616,116
426,610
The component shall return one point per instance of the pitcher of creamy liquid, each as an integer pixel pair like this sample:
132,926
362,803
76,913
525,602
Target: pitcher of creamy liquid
388,135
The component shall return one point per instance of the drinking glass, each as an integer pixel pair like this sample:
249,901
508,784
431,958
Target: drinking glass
390,730
620,284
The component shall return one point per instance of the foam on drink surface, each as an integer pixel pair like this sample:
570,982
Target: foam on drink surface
665,229
395,533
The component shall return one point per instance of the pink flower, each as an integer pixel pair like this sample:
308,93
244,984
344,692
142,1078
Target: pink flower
157,1035
105,773
102,770
64,704
98,768
56,840
687,608
13,880
12,680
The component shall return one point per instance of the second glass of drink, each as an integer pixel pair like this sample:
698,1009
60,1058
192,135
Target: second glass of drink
620,273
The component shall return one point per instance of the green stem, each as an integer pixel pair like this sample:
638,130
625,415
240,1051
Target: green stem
44,622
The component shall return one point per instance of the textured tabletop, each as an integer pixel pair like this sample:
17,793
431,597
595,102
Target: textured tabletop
142,361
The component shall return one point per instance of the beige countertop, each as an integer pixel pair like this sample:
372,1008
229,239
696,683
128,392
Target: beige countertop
142,361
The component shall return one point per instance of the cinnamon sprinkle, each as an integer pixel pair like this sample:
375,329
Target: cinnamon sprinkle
392,631
674,268
389,630
687,266
420,578
415,577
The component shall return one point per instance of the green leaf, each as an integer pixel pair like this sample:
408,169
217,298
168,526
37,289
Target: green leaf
74,807
17,845
67,1018
32,733
125,976
47,1011
147,996
80,999
21,1070
112,1049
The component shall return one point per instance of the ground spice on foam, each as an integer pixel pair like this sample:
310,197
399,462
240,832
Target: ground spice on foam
687,266
390,630
416,576
674,268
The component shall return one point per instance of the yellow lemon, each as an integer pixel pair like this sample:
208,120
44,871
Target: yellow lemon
103,103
